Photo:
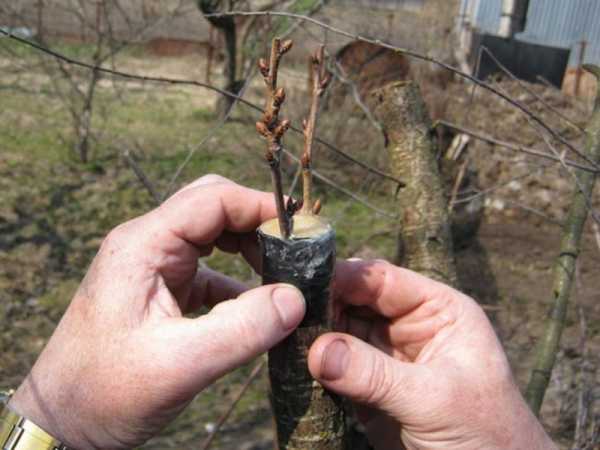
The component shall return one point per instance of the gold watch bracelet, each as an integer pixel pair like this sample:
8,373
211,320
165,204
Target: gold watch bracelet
20,433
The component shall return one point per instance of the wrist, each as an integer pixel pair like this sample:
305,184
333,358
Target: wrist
529,432
45,412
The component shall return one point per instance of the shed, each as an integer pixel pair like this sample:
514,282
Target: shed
536,38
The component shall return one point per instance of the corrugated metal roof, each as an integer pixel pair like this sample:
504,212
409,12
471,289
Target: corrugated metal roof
557,23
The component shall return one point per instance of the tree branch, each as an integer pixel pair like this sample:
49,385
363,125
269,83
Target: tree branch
565,265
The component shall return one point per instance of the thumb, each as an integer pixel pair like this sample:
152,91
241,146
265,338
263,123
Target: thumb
366,375
237,331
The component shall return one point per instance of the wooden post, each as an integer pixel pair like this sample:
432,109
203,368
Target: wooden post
307,416
424,241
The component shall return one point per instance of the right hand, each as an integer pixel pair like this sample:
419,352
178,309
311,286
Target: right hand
423,365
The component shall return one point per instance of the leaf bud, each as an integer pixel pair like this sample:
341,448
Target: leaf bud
262,129
279,96
263,67
286,46
317,207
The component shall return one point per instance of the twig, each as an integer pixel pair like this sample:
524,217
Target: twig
343,190
512,146
386,231
457,183
531,91
295,181
255,372
482,192
559,155
426,58
321,79
213,131
139,173
182,82
532,210
272,129
341,75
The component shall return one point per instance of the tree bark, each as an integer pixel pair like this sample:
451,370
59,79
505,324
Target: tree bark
228,27
307,416
564,268
424,241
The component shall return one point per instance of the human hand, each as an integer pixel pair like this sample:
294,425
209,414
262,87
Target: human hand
123,361
423,365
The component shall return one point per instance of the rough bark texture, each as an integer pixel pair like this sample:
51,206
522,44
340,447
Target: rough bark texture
564,268
424,242
308,417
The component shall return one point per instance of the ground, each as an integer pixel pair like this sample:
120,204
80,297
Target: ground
55,210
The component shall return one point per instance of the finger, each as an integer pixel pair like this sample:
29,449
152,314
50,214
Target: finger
352,368
244,243
389,290
209,288
210,178
200,214
237,331
171,238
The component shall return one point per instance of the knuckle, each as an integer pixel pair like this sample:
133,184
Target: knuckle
213,178
380,382
116,236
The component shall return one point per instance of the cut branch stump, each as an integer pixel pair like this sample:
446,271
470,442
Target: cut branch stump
307,416
424,240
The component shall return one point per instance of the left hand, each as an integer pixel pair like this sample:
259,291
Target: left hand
123,361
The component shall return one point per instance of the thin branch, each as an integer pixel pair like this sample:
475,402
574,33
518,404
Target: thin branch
559,155
512,146
532,210
213,131
255,372
457,182
321,79
182,82
141,175
341,75
344,191
426,58
564,267
531,91
273,129
328,181
497,187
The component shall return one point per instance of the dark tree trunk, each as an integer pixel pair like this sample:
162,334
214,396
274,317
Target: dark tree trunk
227,26
308,417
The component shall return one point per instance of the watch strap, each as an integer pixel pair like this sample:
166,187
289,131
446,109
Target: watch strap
19,433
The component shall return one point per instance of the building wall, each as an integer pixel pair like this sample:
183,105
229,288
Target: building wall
556,23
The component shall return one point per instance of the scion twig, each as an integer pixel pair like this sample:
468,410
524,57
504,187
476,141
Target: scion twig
321,79
273,129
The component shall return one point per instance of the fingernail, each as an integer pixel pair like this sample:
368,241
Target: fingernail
289,303
335,360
